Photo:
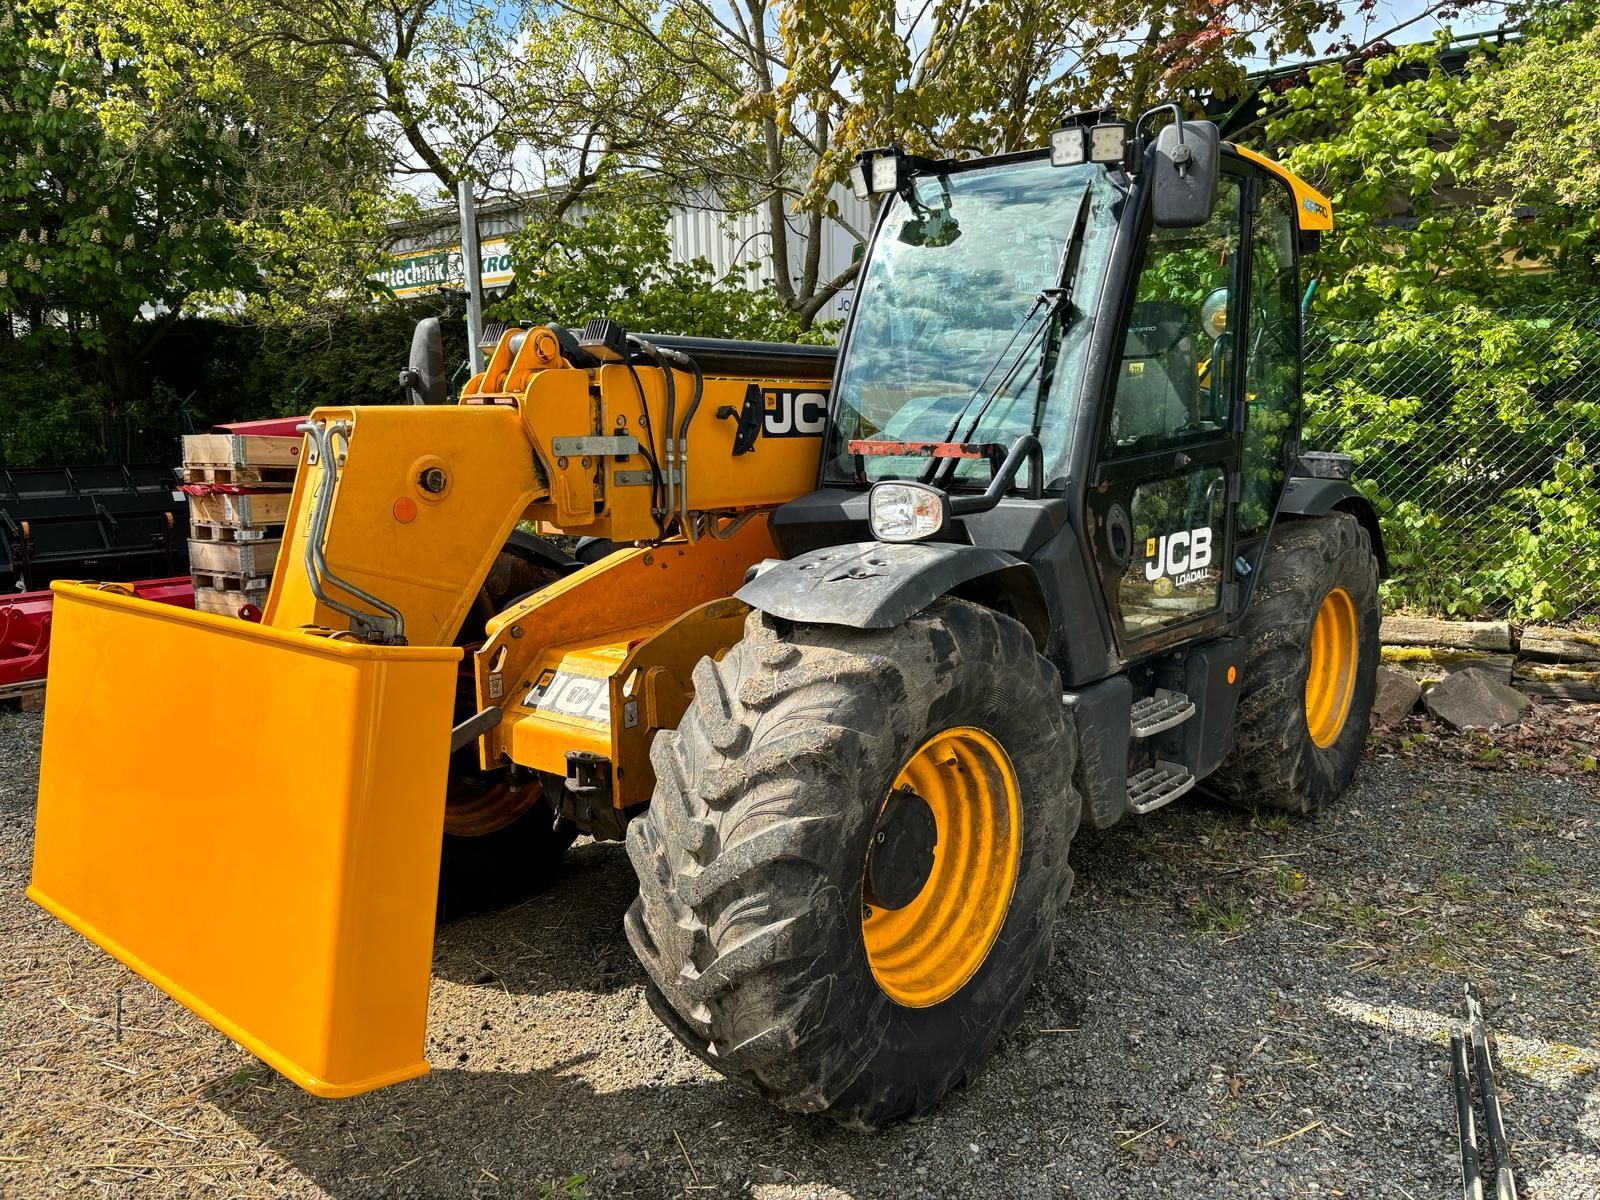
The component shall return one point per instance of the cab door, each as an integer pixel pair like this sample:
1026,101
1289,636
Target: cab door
1166,479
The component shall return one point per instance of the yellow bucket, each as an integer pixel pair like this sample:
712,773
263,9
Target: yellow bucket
250,818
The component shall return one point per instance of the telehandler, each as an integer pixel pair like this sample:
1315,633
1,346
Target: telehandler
879,627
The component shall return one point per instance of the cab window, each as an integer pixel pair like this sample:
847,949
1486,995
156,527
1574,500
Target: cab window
1177,357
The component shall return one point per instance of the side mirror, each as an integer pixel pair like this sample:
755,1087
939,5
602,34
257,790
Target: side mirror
1183,174
423,380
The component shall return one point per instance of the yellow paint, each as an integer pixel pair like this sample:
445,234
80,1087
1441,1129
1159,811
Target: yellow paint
432,565
278,874
1312,208
275,872
1331,679
924,953
641,609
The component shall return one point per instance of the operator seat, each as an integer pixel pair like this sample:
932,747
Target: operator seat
1158,381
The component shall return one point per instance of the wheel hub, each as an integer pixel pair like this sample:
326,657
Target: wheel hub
901,856
934,899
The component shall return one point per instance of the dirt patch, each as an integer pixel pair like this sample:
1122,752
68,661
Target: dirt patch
1239,1005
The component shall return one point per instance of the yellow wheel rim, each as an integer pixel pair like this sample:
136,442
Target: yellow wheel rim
925,952
1332,678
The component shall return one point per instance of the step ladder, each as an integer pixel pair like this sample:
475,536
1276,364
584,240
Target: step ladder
1157,786
1160,712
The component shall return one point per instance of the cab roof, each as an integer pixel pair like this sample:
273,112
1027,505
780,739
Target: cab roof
1314,210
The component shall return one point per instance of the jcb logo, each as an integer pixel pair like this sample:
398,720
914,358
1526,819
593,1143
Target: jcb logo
794,414
1181,555
568,694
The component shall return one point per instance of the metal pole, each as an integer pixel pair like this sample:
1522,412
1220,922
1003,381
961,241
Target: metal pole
472,266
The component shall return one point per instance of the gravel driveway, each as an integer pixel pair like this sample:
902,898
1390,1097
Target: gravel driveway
1238,1007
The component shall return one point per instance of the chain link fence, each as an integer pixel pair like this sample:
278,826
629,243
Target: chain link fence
1476,433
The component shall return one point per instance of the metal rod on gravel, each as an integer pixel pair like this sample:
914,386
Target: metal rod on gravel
1461,1083
1505,1183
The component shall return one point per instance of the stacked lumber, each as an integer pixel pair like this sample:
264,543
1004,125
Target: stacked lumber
239,487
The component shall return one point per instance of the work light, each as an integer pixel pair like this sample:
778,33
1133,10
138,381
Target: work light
1108,142
1105,142
1069,147
886,173
878,172
907,512
858,179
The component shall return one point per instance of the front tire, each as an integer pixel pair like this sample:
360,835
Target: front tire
756,916
1311,669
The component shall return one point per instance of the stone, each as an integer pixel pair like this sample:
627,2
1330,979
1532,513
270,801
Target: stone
1472,699
1396,697
1429,664
1400,630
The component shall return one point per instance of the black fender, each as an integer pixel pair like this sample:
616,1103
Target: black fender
1304,496
877,585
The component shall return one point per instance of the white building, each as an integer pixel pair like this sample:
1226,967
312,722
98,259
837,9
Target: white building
427,258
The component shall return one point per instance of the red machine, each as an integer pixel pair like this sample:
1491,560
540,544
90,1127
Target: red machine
25,632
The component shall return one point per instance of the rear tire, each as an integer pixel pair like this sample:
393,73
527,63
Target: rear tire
501,841
1295,748
753,856
507,865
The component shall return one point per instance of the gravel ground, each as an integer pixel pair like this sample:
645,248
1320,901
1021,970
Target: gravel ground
1238,1007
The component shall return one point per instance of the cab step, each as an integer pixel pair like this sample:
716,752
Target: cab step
1160,712
1157,786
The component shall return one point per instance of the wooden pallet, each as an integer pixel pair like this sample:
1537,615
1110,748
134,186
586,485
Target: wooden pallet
28,696
234,533
250,511
240,450
241,560
227,602
254,476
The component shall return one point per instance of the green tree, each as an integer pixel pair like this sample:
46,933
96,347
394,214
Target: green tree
103,245
1450,316
986,76
615,261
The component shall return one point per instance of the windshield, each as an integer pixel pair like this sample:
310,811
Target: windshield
953,323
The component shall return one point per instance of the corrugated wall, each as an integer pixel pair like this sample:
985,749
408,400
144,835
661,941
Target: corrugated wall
700,229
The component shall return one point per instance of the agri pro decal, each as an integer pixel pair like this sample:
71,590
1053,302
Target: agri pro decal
1175,560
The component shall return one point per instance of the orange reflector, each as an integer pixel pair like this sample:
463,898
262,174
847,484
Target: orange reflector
250,818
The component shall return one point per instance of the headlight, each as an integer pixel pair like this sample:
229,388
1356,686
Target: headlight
907,512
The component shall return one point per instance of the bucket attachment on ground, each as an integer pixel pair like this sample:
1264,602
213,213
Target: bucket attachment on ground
250,818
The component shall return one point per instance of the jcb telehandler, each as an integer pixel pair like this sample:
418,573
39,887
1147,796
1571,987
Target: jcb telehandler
1040,543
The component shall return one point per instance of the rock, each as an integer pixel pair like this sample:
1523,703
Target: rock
1471,699
1560,645
1396,697
1398,630
1429,664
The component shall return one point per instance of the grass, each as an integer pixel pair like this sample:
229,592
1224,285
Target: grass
1534,866
1522,813
1220,916
1290,881
1271,820
573,1187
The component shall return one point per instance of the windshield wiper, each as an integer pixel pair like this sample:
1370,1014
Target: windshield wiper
1050,300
